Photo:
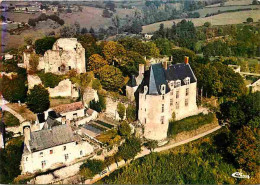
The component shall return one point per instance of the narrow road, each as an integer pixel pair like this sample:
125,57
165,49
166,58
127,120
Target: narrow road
18,116
145,152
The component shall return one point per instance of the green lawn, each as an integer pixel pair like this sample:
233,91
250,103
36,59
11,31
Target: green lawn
190,123
10,120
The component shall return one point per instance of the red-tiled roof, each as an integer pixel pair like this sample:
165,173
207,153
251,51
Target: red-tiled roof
68,107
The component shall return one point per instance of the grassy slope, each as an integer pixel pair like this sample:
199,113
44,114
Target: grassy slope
221,19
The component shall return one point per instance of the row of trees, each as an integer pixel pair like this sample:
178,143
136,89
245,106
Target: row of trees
44,17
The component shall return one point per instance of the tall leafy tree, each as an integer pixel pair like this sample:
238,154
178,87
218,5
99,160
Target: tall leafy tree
42,45
14,88
111,78
96,62
130,148
38,99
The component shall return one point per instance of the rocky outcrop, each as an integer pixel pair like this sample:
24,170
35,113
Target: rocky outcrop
89,95
33,80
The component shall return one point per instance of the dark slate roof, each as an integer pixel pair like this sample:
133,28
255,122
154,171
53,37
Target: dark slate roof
157,75
40,117
56,136
132,81
50,122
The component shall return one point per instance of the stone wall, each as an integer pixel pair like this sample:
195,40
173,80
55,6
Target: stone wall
64,89
89,95
66,54
33,80
111,108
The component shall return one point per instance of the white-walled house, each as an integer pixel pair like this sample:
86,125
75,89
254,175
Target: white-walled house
50,148
75,113
163,91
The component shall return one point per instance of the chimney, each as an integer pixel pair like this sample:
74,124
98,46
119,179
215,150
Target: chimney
27,137
165,65
186,60
141,69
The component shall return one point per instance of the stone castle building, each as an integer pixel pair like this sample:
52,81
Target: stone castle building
66,54
161,92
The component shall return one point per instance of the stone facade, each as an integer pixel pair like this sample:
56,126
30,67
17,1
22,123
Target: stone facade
164,91
64,89
66,54
89,95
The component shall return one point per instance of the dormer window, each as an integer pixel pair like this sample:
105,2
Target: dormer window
177,83
187,80
163,88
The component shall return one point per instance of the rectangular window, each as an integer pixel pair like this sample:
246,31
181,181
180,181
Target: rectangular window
162,107
43,164
187,91
64,148
66,157
171,102
162,120
69,68
177,94
162,97
177,105
171,92
81,153
41,154
51,151
186,102
58,68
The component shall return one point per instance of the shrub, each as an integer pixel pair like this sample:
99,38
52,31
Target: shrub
49,79
249,20
91,167
42,45
38,99
96,84
121,110
190,123
131,113
124,129
10,120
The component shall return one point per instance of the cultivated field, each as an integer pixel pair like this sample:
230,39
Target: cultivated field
221,19
234,3
203,12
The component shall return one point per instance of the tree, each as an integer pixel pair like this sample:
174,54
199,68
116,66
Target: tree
14,88
113,52
91,167
121,110
255,2
151,144
207,24
84,30
106,13
179,54
38,99
33,63
95,105
10,158
68,31
116,22
42,45
164,45
244,149
249,20
28,40
111,78
131,113
95,63
32,22
124,129
130,148
77,26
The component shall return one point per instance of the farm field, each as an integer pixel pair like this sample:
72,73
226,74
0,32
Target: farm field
221,19
234,3
208,10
